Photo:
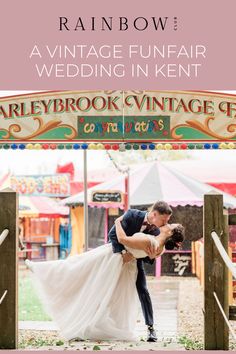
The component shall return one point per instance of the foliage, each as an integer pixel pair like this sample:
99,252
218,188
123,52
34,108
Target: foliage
34,342
96,347
190,344
59,342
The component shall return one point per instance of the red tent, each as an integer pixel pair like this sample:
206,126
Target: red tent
39,207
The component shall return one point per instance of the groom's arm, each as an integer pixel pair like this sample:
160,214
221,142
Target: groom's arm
116,246
133,242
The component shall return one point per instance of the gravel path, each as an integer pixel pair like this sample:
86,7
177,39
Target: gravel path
190,313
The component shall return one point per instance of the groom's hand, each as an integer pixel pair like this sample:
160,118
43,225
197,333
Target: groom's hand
151,251
127,257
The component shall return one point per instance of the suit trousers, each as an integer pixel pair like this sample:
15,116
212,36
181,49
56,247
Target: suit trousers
143,293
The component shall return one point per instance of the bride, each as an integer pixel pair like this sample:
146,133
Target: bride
93,295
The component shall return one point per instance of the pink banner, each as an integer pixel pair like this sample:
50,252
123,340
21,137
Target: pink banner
117,45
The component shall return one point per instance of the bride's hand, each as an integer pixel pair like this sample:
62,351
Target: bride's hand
119,219
151,251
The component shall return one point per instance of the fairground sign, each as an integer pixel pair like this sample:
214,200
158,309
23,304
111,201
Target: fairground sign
131,116
42,185
107,197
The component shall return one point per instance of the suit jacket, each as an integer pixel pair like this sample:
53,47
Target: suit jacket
131,223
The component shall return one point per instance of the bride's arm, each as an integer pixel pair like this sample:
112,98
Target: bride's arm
139,242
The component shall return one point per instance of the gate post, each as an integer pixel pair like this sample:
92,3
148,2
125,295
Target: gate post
9,270
216,335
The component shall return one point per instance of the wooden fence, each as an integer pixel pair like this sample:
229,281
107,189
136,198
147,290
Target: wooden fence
215,277
9,269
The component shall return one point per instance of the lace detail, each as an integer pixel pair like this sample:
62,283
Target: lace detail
140,253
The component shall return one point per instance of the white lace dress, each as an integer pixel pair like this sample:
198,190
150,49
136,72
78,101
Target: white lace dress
92,295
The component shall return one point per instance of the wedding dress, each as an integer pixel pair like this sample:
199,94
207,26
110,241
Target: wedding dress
92,295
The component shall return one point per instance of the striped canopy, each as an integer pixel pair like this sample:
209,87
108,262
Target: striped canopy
153,181
36,207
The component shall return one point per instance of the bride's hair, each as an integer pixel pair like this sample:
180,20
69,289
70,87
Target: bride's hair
176,237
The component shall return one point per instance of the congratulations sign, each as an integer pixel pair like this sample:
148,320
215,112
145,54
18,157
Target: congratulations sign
116,115
129,127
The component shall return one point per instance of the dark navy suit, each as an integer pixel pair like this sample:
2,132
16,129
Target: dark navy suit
132,223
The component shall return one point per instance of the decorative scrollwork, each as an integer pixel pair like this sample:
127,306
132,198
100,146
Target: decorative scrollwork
7,136
42,128
204,128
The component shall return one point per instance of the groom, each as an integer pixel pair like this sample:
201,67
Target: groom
148,222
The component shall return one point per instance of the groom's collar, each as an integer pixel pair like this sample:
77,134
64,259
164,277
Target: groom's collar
145,220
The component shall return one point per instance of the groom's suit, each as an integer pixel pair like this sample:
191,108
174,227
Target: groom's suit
132,222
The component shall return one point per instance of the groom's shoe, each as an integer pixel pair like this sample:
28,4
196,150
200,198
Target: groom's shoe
151,335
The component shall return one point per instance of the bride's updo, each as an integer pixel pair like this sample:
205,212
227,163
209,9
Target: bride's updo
176,237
